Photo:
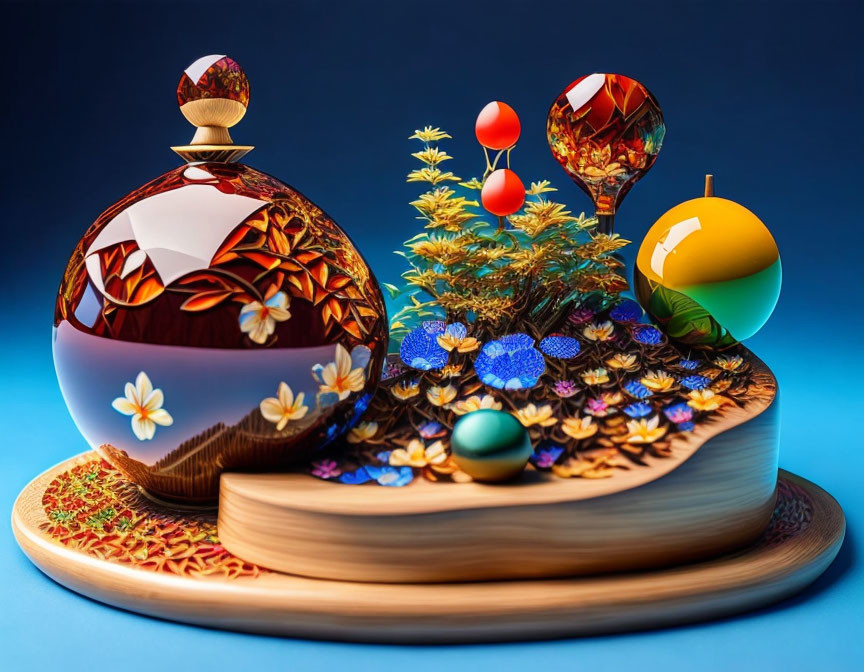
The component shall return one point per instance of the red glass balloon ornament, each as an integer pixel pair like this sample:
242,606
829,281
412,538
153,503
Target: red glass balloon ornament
606,131
497,126
215,318
503,192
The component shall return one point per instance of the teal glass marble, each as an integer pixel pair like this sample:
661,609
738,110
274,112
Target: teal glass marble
490,445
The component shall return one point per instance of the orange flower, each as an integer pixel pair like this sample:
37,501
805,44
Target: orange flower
531,415
579,428
644,431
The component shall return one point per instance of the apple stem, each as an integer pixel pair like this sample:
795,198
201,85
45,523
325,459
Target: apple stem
709,186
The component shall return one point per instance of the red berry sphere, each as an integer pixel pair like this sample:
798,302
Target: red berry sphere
503,192
497,126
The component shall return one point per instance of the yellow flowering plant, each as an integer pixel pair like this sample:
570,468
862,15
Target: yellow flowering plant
498,273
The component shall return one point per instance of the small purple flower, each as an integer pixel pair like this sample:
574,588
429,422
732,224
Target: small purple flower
420,348
326,469
581,315
565,388
689,364
636,389
560,346
431,430
678,413
544,457
391,476
638,409
356,477
626,312
647,335
384,456
695,382
598,408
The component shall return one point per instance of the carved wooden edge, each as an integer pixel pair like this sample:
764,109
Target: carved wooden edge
491,611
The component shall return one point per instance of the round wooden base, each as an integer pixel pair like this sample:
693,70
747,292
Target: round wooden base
802,539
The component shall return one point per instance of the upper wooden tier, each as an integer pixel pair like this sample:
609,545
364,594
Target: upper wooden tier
715,494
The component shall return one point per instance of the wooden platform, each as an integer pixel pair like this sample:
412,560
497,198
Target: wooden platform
804,535
715,494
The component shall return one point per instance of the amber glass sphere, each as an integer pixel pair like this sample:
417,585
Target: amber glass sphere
606,132
215,319
215,76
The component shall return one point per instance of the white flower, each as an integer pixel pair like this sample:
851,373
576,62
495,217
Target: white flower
144,404
259,320
284,407
345,374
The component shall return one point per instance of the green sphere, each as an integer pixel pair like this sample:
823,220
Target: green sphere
490,445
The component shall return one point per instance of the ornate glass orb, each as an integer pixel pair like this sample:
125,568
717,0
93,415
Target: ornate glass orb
708,272
606,131
214,319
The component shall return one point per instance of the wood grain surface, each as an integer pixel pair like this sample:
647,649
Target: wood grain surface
798,546
715,495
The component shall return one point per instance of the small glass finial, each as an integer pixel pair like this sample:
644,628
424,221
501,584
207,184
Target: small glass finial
213,95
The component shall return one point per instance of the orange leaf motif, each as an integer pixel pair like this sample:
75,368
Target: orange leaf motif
277,241
146,291
320,272
263,259
337,282
352,328
205,300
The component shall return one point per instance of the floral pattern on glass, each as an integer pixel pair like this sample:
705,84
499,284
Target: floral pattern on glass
144,403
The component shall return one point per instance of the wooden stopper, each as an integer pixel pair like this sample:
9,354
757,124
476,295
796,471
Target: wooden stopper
709,186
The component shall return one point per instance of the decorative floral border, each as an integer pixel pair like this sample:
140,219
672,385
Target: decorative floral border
94,509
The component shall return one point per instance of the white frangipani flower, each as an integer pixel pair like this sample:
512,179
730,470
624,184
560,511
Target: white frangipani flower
144,404
259,319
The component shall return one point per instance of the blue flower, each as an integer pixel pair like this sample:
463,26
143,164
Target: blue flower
511,363
420,348
638,410
431,430
636,389
560,346
678,413
384,456
685,426
627,311
647,335
689,364
391,476
356,477
545,455
456,330
695,382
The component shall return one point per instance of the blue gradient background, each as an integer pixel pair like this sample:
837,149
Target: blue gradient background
767,96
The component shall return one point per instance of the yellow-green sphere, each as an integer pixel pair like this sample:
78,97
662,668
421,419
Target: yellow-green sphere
708,272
